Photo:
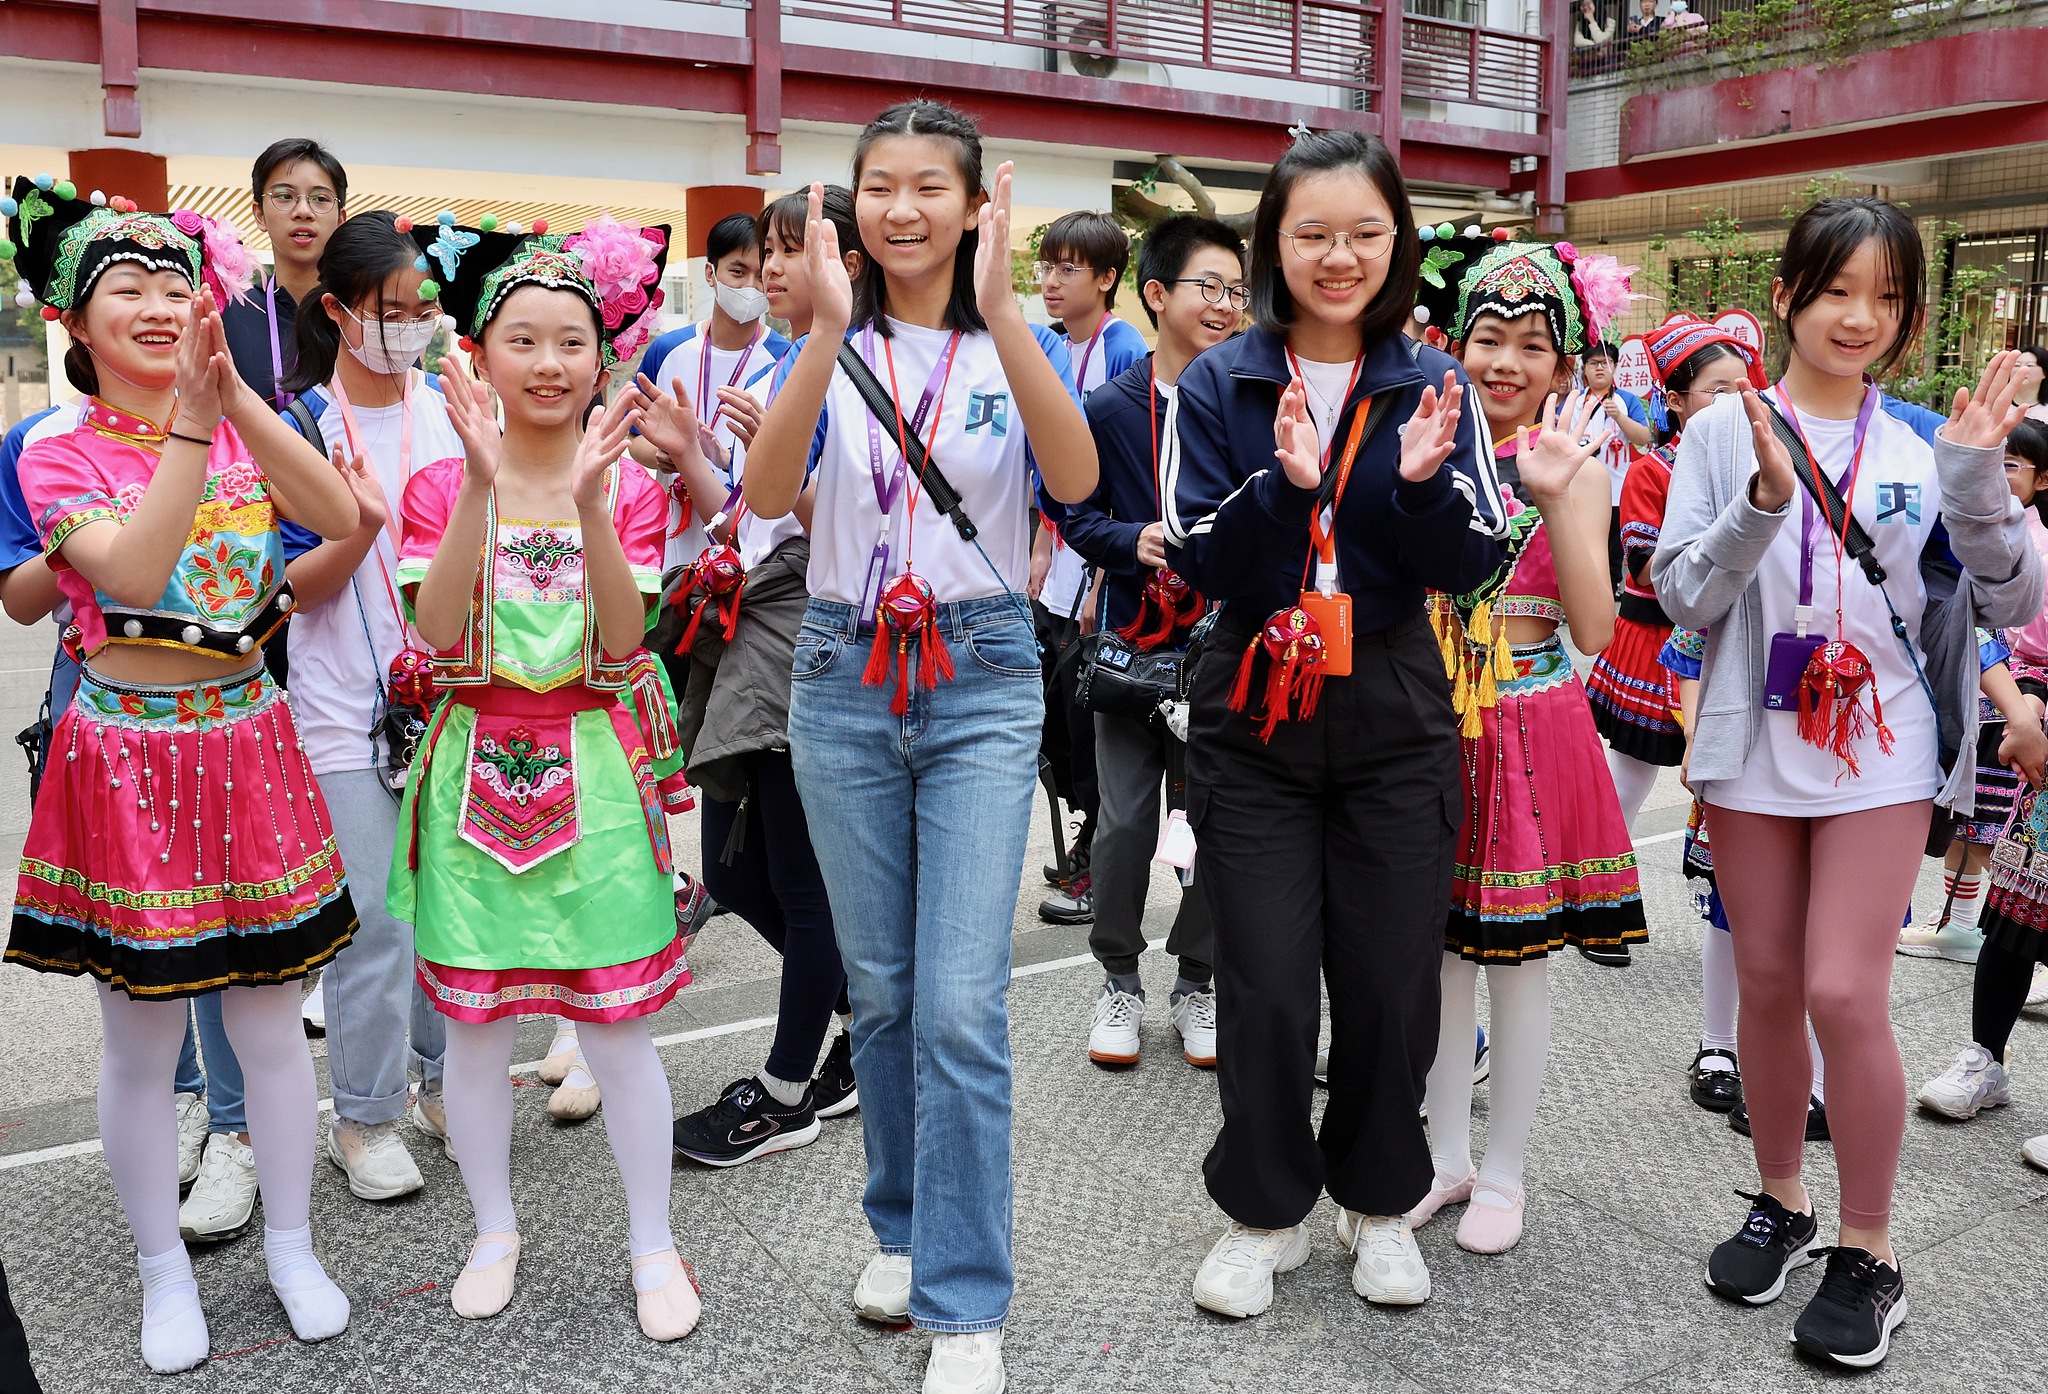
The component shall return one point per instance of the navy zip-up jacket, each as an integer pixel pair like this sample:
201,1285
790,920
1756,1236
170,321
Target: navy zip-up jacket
1237,527
1104,528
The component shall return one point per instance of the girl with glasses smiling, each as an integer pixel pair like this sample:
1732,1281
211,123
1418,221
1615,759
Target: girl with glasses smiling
1326,806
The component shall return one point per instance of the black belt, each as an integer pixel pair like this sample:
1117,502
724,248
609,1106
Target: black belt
148,626
1643,609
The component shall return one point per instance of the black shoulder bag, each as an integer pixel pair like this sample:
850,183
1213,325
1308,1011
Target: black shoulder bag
936,486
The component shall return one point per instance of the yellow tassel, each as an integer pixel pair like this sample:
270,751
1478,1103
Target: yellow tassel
1472,728
1444,620
1489,691
1479,629
1503,657
1461,690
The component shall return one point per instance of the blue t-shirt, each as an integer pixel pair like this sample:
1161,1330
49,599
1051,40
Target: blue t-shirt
19,541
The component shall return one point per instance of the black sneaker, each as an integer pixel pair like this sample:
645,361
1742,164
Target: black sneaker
1607,955
1816,1120
745,1123
834,1091
1772,1242
1850,1320
1717,1090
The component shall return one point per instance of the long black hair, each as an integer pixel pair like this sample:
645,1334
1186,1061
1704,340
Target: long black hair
360,255
1822,240
1320,152
939,122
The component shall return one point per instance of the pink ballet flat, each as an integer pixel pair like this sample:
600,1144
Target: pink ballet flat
483,1292
668,1312
1440,1195
1488,1229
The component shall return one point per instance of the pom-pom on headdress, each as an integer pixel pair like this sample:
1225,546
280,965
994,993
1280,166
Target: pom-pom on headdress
1578,296
63,242
1447,254
616,268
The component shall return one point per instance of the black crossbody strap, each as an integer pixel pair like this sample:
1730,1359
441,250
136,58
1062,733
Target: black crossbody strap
1374,414
1832,506
937,487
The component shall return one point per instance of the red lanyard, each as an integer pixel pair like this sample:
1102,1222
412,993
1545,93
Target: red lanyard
913,486
1323,522
1357,364
355,447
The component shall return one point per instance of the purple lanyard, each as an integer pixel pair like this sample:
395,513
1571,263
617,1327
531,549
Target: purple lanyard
889,486
1808,514
277,392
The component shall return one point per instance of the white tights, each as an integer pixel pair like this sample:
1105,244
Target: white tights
477,1089
140,1041
1520,998
1633,781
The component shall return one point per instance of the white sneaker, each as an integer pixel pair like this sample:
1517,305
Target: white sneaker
1957,943
1387,1267
374,1158
1236,1279
313,1008
883,1292
1323,1068
1194,1016
191,1136
969,1363
430,1115
2034,1151
2037,994
1974,1083
222,1200
1113,1032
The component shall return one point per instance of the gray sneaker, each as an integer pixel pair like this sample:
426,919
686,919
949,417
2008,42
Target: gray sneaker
374,1159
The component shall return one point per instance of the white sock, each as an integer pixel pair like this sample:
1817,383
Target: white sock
1969,901
1519,998
1820,1090
317,1308
173,1328
783,1091
1719,995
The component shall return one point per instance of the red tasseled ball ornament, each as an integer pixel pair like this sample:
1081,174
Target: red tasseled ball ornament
1292,642
908,613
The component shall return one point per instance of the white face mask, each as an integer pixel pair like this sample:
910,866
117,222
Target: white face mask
390,349
743,304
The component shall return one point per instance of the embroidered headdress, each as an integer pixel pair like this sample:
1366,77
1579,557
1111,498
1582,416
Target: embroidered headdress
1671,343
1578,296
62,243
616,268
1447,255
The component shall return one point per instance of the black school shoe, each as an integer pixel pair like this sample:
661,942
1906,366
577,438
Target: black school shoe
1816,1120
745,1123
1607,955
834,1092
1751,1267
1851,1318
1716,1090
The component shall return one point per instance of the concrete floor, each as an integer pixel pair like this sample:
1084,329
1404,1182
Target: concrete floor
1629,1187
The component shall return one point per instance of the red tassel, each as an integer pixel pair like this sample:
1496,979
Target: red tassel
690,630
877,671
900,703
730,608
1308,687
1241,690
1280,680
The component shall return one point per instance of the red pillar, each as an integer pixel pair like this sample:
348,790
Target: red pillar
135,174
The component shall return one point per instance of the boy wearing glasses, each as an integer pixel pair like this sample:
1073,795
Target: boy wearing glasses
1191,278
299,190
1081,258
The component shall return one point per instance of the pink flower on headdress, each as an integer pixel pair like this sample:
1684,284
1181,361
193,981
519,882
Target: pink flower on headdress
1603,286
1566,252
226,262
629,342
617,258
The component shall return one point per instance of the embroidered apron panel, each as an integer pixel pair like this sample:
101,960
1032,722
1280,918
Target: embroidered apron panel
520,805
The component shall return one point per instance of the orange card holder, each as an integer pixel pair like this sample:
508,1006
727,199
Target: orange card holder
1332,613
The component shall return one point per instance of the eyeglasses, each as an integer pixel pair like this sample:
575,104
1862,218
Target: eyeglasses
2015,466
1062,272
284,198
1367,241
1215,292
1711,393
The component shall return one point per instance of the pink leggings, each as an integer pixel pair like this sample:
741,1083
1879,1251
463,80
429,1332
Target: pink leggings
1815,905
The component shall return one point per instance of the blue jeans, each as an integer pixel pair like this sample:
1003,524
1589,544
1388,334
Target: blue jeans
221,1084
375,1005
919,823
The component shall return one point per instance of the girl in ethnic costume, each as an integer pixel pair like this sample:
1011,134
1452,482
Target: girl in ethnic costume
533,857
1635,701
180,844
1545,856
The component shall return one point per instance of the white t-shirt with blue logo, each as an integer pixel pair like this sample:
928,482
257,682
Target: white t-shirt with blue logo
1118,345
980,447
1898,501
